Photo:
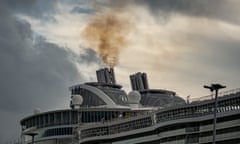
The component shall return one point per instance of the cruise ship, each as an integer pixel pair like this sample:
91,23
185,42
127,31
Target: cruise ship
103,113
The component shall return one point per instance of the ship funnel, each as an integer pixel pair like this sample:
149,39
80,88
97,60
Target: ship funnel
106,75
139,81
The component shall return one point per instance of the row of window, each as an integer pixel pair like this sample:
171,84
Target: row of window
71,117
58,131
194,138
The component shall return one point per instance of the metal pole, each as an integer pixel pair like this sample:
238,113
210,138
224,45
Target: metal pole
79,123
79,116
215,87
32,139
215,116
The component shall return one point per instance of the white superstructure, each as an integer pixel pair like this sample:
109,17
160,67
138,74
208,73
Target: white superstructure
101,112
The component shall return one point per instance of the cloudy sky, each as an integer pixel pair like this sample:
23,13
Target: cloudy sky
181,44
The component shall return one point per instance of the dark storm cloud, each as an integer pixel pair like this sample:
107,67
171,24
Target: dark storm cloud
33,72
35,8
224,10
32,75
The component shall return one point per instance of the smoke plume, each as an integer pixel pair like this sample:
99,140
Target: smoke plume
107,34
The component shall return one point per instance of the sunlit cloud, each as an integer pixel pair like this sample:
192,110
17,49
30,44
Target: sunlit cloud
168,49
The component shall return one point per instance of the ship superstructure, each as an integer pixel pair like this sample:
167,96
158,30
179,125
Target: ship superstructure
107,114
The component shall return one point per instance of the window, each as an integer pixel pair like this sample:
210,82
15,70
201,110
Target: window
58,131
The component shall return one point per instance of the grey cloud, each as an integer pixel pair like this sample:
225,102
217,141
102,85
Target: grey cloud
39,72
214,59
218,53
33,72
224,10
89,56
43,9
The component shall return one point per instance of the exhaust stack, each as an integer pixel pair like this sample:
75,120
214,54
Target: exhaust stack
139,81
106,75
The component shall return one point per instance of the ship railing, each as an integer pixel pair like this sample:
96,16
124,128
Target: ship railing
118,120
229,92
212,96
117,126
226,103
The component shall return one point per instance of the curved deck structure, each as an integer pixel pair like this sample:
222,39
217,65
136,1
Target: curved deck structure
108,115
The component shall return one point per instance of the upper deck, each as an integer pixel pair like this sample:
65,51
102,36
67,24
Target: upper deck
196,111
